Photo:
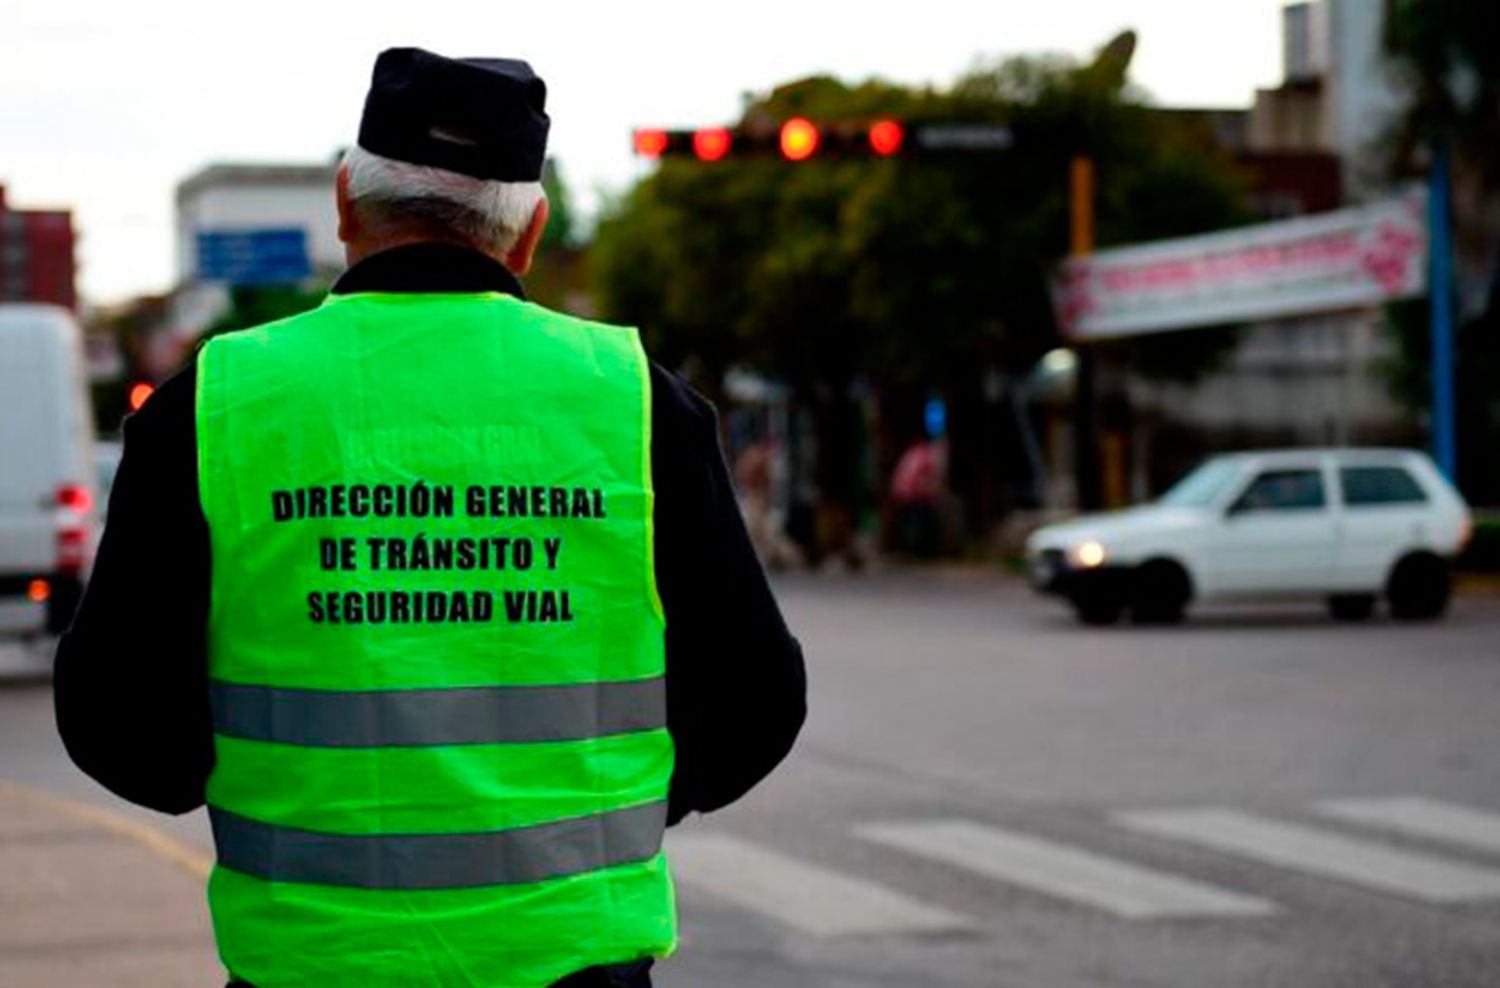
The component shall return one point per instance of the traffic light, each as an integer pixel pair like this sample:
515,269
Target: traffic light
712,143
886,137
651,143
800,139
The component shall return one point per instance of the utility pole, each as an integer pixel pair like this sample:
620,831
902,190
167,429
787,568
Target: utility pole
1440,234
1086,480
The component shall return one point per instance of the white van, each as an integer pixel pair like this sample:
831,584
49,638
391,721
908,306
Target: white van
1348,525
49,495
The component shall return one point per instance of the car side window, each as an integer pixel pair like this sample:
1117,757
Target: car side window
1371,486
1283,490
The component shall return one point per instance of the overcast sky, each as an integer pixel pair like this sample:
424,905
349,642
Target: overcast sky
105,106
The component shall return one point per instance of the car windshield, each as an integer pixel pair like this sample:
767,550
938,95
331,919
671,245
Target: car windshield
1201,487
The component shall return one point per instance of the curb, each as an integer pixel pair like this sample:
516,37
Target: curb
1477,584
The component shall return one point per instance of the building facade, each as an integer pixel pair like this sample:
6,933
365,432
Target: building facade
240,224
36,255
1310,145
1337,95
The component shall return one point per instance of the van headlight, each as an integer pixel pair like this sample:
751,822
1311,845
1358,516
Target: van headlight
1090,554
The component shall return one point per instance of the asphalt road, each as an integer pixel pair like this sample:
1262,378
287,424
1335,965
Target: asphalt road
988,795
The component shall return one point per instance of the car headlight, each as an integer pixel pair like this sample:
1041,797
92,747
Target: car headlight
1090,554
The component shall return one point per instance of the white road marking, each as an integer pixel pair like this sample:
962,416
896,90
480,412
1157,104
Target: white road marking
1321,852
1421,817
1063,872
812,899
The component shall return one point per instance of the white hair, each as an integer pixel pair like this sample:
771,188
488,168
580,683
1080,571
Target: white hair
491,214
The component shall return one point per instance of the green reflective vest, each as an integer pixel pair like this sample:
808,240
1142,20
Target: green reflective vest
435,646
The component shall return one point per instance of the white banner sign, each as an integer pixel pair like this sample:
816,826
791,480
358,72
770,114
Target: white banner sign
1339,260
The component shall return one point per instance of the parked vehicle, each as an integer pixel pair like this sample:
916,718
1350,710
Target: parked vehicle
49,497
1348,525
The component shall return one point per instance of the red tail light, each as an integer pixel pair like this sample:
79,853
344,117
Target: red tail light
38,591
76,501
75,497
72,549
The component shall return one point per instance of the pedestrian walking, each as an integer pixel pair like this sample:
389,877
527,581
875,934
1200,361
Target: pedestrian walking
918,487
438,599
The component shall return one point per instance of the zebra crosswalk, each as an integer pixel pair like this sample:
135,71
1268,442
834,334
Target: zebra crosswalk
1418,817
1323,853
812,898
1351,843
1063,872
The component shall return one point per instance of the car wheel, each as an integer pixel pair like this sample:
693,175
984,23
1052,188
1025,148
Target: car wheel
1098,610
1419,588
1352,607
1159,593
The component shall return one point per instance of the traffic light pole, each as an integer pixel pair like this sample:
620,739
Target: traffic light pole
1086,478
1440,232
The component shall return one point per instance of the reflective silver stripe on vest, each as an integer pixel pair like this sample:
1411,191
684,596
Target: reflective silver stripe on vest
464,715
440,861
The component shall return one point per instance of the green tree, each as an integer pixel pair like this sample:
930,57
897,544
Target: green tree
925,259
915,274
558,278
252,305
561,227
1445,53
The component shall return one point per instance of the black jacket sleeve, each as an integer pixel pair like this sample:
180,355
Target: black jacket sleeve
131,683
736,687
131,673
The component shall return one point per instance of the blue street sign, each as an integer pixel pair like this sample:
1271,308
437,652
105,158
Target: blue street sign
253,257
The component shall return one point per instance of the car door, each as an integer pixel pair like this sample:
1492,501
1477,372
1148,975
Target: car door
1277,536
1386,512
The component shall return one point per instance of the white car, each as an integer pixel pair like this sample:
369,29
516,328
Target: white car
1348,525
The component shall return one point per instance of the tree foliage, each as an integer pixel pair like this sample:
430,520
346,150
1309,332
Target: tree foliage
253,305
1446,54
557,278
912,271
561,228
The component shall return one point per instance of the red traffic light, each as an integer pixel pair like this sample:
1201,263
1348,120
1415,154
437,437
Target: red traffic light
886,137
650,143
711,143
799,139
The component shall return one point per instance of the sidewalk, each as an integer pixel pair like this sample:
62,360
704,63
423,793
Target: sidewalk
91,897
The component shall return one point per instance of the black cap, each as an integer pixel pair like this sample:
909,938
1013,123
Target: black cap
483,117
